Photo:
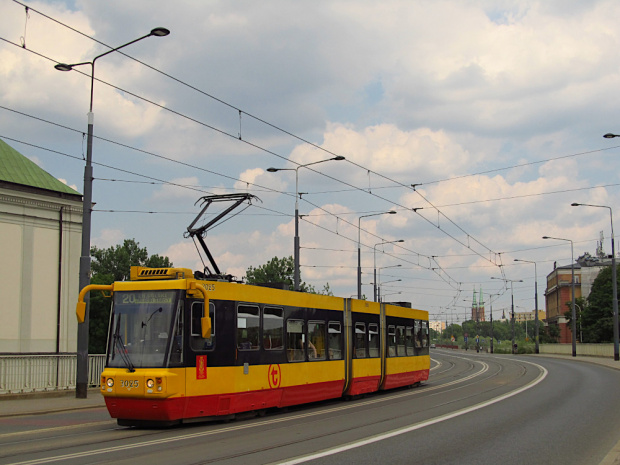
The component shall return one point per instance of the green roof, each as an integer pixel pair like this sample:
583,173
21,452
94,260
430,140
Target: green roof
17,169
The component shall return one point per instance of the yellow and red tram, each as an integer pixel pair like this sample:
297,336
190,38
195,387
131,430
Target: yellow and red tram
183,348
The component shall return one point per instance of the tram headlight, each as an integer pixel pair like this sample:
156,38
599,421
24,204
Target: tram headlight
150,383
110,382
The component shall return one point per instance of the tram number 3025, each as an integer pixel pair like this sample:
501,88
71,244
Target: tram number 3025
130,383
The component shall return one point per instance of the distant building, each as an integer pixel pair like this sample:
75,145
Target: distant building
477,307
558,294
529,316
438,326
40,244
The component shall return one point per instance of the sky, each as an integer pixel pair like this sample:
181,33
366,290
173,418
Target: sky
478,121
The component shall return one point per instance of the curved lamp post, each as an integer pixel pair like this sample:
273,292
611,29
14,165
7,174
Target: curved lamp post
574,312
296,240
512,307
81,385
614,283
379,283
359,252
536,323
375,265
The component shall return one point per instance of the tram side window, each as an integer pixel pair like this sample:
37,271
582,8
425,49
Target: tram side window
360,340
417,334
425,335
392,341
316,336
373,340
273,329
409,340
248,324
197,343
295,340
400,341
334,333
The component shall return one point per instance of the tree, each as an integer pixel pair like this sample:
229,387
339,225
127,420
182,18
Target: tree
109,265
597,315
280,271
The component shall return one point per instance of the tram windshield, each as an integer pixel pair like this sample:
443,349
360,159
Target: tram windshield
146,329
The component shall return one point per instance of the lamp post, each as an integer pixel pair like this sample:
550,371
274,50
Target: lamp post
81,385
375,265
512,307
536,323
359,252
379,280
613,274
491,314
574,312
296,239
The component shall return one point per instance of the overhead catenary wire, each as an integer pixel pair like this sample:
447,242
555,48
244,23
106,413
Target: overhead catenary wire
468,236
262,148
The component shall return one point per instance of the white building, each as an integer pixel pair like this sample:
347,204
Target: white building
40,242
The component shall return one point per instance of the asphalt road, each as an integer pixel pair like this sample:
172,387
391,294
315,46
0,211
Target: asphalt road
475,408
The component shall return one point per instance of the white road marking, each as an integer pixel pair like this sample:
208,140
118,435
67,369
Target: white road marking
408,429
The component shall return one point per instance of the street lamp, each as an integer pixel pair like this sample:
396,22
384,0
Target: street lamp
574,312
613,272
379,279
512,307
536,343
296,240
359,252
81,385
491,314
375,265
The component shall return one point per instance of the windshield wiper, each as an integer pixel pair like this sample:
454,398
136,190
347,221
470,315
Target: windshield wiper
120,347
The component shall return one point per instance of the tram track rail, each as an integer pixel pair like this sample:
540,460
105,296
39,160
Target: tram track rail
474,372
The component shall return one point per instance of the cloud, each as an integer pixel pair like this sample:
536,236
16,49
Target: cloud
108,238
72,186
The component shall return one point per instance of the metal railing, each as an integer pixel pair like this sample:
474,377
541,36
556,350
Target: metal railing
45,372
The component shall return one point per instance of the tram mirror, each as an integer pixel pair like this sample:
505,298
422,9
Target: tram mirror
80,311
205,323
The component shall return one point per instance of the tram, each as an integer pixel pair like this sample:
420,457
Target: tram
185,346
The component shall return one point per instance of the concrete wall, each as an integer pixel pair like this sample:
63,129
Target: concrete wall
37,300
594,350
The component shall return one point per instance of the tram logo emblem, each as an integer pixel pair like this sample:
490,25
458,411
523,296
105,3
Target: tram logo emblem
275,376
201,367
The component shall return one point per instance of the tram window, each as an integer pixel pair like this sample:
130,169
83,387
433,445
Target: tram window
392,341
248,323
334,333
273,329
176,351
409,340
295,340
373,340
417,334
316,340
400,341
360,340
197,343
425,335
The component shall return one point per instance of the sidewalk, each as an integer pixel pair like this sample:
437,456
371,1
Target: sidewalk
34,403
605,361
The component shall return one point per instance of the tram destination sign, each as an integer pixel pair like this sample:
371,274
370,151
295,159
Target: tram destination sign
145,297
